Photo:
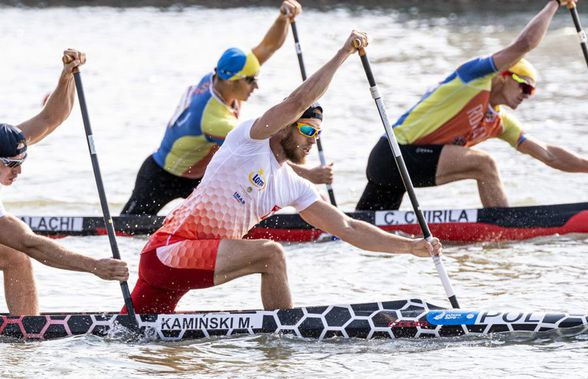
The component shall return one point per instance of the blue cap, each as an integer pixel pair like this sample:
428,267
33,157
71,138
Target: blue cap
235,64
12,141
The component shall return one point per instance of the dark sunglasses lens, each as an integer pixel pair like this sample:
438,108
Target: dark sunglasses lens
251,79
527,88
11,163
530,89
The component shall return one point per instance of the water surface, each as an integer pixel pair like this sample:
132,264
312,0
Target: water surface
139,62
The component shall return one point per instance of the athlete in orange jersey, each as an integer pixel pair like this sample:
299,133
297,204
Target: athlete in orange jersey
200,244
436,135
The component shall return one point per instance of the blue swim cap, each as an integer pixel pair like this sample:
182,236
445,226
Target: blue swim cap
235,64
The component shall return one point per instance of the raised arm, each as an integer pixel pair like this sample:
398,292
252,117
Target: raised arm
363,235
289,110
529,38
554,156
59,104
16,234
277,33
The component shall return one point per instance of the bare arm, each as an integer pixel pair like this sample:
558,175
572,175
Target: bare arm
59,104
17,235
363,235
554,156
277,33
317,175
289,110
529,38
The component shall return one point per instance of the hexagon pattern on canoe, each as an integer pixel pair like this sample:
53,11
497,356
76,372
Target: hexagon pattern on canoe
393,319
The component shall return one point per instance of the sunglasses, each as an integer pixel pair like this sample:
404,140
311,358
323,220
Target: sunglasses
12,163
525,86
307,130
252,79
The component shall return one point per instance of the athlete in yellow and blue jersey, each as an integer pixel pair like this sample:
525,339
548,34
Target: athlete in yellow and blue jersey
458,110
203,119
207,112
436,135
199,125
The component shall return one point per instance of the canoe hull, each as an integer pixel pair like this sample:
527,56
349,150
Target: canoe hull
412,318
458,225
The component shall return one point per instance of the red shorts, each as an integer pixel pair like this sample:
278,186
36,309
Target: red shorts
169,272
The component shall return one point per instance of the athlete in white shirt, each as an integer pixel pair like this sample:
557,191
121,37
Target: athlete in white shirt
17,241
200,244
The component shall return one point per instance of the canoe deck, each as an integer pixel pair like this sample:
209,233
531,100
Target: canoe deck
413,318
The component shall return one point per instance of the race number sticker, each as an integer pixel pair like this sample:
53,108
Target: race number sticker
54,224
211,321
441,216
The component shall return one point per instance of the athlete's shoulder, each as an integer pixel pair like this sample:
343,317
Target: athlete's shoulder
217,119
206,80
476,68
202,89
242,131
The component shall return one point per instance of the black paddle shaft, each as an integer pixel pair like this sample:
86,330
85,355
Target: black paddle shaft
399,160
581,32
405,176
101,193
298,50
319,144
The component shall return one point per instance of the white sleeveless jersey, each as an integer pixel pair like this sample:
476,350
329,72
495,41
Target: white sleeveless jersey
243,184
2,210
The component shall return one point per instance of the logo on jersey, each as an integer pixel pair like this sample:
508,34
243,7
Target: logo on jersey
237,196
490,116
475,115
256,178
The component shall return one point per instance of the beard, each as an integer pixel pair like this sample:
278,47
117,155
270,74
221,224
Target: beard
292,150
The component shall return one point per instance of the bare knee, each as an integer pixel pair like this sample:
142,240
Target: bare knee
486,168
15,260
275,258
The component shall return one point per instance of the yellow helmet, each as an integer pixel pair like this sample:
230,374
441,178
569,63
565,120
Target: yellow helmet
525,68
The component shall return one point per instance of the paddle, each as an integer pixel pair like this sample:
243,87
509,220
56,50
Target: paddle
101,193
581,32
404,173
319,145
